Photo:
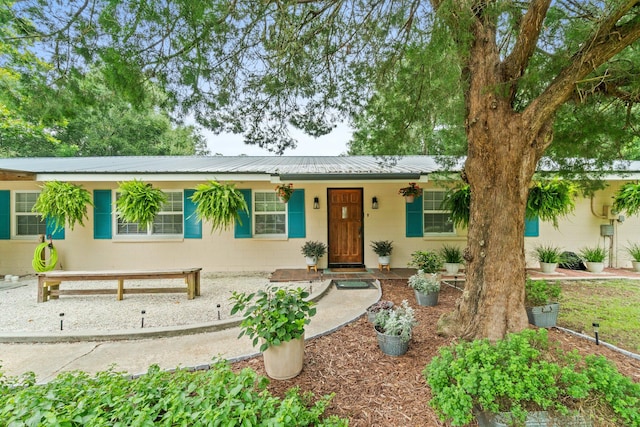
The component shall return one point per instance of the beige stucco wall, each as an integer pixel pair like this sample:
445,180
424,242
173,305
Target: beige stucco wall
220,251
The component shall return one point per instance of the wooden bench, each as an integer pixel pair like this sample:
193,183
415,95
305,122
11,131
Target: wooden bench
49,282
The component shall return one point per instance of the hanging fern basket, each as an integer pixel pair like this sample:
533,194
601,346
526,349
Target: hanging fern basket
221,204
63,203
138,202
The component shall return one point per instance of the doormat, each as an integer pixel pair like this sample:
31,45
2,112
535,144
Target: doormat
353,284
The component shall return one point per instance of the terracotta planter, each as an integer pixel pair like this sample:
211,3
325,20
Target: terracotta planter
409,199
548,267
284,361
595,267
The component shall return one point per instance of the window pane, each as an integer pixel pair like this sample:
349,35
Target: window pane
433,200
270,224
30,225
437,223
25,201
130,228
167,224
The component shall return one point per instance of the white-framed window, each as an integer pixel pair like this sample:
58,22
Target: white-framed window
436,220
168,222
27,223
269,214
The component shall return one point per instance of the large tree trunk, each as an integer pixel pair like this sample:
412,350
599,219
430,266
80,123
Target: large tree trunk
502,156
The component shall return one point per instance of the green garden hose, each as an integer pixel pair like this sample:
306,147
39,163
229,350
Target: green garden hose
38,262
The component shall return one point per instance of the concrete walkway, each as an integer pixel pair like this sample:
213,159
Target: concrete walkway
335,308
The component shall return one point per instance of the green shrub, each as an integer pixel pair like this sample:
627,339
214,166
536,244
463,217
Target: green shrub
522,373
274,315
426,283
634,251
216,397
382,247
540,292
427,261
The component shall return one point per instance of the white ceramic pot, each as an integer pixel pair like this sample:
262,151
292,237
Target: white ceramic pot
452,267
285,360
311,260
636,266
595,267
15,278
548,267
384,260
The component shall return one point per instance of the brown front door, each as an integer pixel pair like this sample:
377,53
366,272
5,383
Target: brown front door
345,226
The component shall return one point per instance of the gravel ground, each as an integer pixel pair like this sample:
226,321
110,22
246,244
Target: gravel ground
19,311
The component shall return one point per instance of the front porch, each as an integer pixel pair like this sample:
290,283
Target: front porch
297,275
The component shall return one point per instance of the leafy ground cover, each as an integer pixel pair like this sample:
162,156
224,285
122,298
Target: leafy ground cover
613,304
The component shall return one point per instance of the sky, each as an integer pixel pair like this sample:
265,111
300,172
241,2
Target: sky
332,144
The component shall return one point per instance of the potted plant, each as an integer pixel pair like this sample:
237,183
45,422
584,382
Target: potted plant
63,203
138,202
394,327
410,192
594,258
218,203
376,308
541,302
312,251
524,379
426,287
548,256
284,192
383,249
276,317
634,251
452,257
427,261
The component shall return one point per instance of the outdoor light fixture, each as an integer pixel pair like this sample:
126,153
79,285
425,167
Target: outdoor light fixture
143,312
316,203
596,326
61,318
218,306
374,203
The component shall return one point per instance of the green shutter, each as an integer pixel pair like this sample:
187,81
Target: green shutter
102,214
192,225
296,220
531,227
414,214
5,214
52,232
242,229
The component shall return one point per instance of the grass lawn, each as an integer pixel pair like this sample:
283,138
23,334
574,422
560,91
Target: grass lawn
614,304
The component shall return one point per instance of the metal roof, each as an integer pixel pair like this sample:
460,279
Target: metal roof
303,166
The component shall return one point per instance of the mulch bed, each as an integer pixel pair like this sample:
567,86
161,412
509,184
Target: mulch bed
372,389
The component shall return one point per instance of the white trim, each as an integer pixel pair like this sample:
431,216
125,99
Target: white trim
181,177
254,213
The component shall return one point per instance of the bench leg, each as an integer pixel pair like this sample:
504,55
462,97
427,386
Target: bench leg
191,285
41,284
120,289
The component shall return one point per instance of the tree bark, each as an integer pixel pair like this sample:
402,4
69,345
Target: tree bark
503,153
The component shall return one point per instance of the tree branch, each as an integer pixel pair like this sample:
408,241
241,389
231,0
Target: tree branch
603,46
525,46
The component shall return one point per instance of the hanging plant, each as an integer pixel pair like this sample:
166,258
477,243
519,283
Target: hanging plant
548,200
413,190
458,201
551,200
139,202
627,198
284,191
63,203
219,203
